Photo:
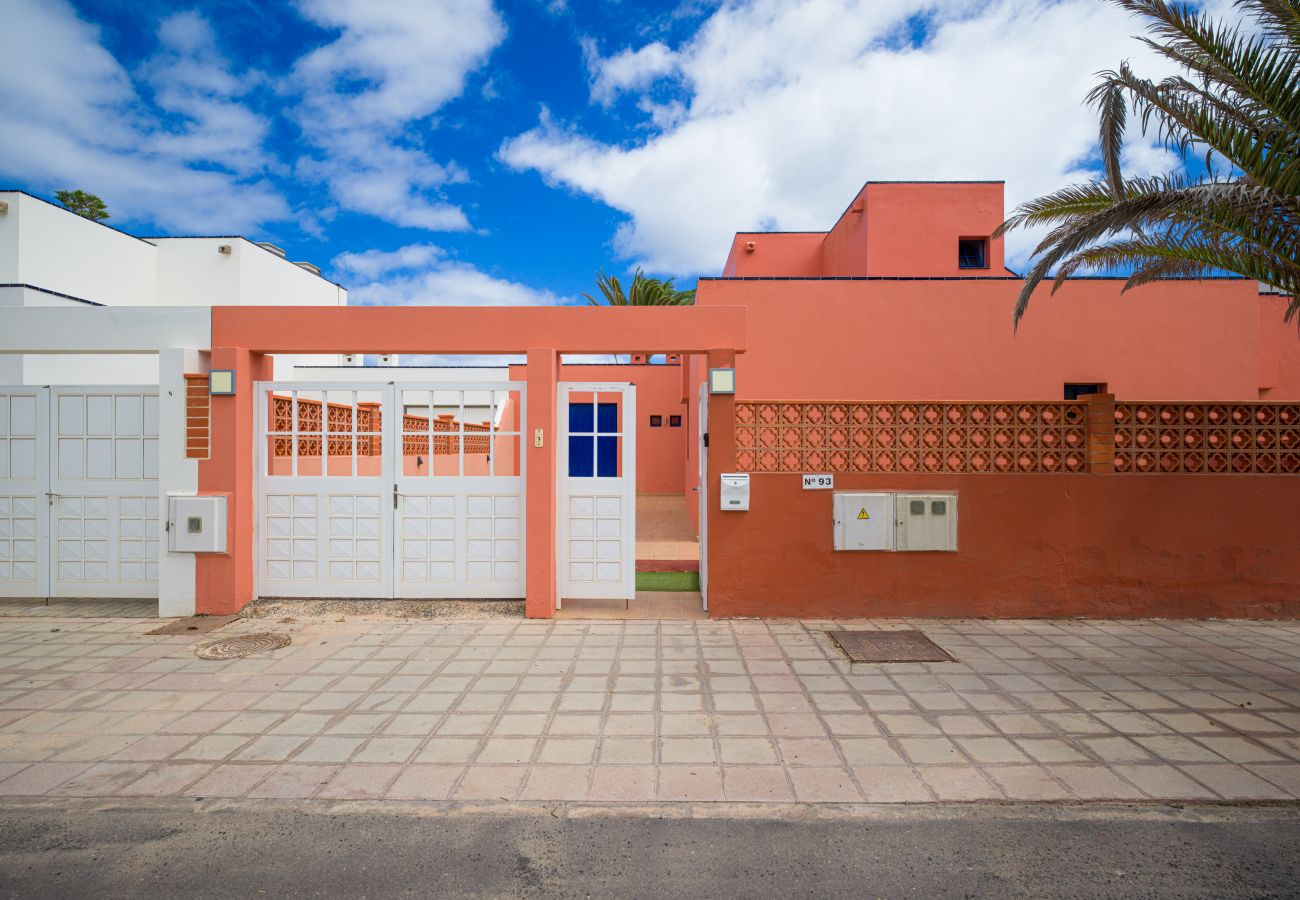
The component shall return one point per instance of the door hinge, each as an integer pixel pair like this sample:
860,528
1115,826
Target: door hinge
706,439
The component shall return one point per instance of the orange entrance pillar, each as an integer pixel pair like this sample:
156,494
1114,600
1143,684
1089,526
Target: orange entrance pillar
540,582
224,581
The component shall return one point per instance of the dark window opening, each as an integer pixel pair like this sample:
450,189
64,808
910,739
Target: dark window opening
1075,391
972,253
656,421
674,421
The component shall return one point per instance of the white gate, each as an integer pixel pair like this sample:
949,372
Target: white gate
596,491
409,490
79,492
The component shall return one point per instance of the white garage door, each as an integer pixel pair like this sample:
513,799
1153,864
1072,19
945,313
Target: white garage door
79,492
409,490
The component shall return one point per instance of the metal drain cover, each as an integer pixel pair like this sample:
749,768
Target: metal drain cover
239,646
889,646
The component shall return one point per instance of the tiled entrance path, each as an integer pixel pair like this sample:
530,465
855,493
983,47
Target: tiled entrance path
679,605
663,530
622,711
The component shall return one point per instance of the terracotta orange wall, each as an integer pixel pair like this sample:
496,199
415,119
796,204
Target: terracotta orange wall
889,229
789,253
953,340
1052,545
224,581
912,228
659,451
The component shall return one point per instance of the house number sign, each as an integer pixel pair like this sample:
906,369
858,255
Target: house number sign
823,482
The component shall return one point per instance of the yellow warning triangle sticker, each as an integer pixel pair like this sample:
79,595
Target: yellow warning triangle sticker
862,513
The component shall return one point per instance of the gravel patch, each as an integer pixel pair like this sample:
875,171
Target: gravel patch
302,609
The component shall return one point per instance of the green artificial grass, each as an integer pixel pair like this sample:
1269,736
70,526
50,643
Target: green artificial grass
667,581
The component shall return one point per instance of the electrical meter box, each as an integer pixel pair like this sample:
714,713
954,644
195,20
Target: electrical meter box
926,521
734,495
863,521
196,524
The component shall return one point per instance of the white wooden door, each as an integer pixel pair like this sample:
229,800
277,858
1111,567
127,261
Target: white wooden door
104,492
24,483
596,491
325,490
397,490
704,493
460,491
79,511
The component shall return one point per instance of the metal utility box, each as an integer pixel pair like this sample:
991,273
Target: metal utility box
926,521
196,524
863,521
734,495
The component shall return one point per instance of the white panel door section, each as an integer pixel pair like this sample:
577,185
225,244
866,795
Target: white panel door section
325,490
104,492
596,491
377,491
24,481
79,492
459,494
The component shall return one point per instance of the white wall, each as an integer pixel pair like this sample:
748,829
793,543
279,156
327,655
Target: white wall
47,246
192,273
266,279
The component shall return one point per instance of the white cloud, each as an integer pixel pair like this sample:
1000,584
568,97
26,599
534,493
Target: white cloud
421,275
191,78
376,263
792,106
627,70
74,119
392,65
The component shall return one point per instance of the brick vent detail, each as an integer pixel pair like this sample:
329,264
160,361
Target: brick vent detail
198,418
1209,438
912,437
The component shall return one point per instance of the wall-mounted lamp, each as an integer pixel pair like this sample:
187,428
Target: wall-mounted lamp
223,249
722,381
4,207
221,382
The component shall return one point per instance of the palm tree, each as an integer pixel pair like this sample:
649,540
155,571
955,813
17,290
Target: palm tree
1237,99
644,292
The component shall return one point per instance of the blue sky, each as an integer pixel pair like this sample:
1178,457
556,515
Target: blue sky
471,151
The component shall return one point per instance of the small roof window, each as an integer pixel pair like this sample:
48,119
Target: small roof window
972,253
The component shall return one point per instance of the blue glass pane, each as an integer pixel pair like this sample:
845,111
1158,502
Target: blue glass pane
608,417
581,417
580,461
607,457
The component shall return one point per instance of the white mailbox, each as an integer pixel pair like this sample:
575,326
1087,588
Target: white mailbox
734,495
864,521
196,524
927,521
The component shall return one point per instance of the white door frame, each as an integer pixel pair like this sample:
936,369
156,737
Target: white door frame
621,488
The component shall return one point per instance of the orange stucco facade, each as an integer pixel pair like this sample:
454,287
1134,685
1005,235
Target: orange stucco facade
879,309
903,307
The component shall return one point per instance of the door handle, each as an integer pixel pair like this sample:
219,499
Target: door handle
394,496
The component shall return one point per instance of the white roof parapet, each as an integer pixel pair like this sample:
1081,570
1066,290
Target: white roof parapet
104,329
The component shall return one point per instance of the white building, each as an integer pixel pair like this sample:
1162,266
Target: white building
52,257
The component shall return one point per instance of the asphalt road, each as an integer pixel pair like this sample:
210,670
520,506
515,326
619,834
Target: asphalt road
209,849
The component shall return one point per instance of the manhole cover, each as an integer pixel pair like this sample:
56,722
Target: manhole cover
889,646
242,645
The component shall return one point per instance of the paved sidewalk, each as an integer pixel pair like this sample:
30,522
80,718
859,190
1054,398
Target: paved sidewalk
739,710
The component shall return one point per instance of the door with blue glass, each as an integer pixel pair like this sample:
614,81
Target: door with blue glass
597,491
